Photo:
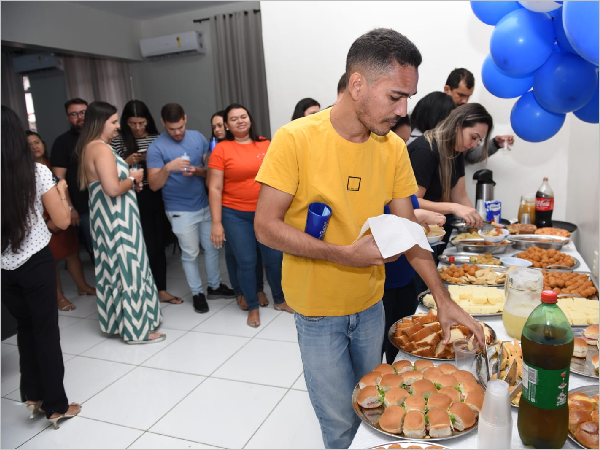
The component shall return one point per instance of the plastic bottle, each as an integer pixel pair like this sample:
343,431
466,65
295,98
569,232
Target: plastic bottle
547,345
213,144
544,205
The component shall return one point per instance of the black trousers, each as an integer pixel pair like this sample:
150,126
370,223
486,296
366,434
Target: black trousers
397,303
155,227
29,293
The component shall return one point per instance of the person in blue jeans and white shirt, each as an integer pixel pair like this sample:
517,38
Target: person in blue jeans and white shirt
175,165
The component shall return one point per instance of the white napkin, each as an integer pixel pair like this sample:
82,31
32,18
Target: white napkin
394,235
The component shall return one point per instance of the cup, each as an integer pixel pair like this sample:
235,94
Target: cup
135,167
525,218
495,420
317,220
464,354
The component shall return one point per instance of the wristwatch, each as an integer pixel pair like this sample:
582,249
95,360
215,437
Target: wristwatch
133,181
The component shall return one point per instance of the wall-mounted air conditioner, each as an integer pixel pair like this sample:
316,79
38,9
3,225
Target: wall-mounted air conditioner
34,63
190,42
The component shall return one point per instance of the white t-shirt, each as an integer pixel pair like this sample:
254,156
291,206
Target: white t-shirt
39,235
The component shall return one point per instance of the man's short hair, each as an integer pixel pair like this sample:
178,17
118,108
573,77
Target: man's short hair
458,75
376,51
342,84
74,101
172,112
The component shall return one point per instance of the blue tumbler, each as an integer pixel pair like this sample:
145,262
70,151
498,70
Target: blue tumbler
317,220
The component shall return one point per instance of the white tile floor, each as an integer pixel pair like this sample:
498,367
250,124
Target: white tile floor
213,383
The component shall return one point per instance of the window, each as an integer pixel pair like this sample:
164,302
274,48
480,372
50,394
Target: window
29,104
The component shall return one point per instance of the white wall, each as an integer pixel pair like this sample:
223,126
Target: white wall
68,26
305,52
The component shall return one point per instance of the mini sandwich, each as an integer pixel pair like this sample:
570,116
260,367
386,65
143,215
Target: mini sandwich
452,393
391,419
424,388
403,366
579,347
447,381
432,374
469,386
587,434
395,396
385,369
576,416
579,400
370,379
390,381
414,425
464,417
595,400
594,415
411,376
463,375
447,369
590,334
415,403
441,401
369,397
439,423
422,364
474,400
595,362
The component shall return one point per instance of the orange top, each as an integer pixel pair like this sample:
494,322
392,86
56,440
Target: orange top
240,162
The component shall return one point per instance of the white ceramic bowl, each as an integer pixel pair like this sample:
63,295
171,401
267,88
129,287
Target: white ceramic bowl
434,239
511,261
495,239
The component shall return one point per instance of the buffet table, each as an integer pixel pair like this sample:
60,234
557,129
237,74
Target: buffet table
367,437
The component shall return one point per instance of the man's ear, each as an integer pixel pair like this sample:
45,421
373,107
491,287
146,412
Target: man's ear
185,118
447,89
356,84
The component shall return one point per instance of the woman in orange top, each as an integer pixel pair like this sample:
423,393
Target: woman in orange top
64,244
233,194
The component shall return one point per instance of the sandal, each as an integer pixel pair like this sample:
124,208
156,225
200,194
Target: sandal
241,301
87,291
161,337
66,415
173,300
254,323
262,299
65,305
34,408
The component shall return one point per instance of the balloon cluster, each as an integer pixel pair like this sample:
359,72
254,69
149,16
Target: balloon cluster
545,53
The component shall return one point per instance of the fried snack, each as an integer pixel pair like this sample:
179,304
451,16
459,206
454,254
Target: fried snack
486,259
473,299
551,231
541,258
466,236
576,284
467,274
434,230
521,228
511,351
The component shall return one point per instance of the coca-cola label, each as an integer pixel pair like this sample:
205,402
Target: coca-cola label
544,204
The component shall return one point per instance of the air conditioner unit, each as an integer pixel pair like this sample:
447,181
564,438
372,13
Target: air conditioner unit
34,63
189,42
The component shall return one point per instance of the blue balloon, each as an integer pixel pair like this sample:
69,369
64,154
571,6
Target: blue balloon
564,83
589,113
502,84
491,12
522,41
559,32
580,20
533,123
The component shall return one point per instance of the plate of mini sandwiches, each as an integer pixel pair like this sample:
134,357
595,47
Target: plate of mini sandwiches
419,401
407,444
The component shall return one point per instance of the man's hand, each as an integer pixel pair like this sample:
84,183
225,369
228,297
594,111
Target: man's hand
179,165
449,313
430,217
189,171
365,253
470,215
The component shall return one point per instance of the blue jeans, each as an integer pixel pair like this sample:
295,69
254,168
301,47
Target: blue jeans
191,228
239,232
336,353
232,271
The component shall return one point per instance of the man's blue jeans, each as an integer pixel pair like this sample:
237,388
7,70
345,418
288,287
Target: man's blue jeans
191,228
239,233
336,353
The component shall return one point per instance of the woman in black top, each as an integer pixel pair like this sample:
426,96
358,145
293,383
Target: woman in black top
439,166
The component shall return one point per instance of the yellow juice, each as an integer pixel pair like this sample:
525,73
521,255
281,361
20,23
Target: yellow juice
513,324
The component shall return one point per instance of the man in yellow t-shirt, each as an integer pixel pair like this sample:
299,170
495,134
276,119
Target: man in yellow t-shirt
347,158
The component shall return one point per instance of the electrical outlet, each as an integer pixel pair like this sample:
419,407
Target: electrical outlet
595,269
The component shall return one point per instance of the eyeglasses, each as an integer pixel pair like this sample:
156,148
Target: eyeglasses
76,113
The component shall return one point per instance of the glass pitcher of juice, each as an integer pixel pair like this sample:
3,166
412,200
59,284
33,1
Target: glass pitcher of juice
523,292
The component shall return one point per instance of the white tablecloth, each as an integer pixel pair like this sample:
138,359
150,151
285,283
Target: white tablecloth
367,437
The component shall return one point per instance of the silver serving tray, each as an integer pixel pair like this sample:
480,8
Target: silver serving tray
589,390
463,246
477,316
497,269
525,241
422,444
462,258
557,267
584,366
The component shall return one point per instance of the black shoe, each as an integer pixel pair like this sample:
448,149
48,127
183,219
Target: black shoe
200,305
221,292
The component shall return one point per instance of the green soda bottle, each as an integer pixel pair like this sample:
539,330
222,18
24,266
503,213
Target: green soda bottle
547,344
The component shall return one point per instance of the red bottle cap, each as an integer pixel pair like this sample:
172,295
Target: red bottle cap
451,259
549,297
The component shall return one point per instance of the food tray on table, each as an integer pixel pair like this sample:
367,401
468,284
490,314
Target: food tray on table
567,283
584,366
480,246
589,391
536,255
461,258
473,275
407,444
524,241
426,302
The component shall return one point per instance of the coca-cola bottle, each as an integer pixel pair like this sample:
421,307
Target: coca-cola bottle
544,205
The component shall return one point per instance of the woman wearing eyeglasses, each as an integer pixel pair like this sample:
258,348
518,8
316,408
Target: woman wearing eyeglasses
138,131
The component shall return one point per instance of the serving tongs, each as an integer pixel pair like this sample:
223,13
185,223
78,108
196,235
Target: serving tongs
482,366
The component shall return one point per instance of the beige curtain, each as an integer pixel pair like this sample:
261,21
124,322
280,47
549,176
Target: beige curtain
239,62
13,93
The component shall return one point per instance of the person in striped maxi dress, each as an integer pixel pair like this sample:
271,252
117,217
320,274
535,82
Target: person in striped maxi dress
128,302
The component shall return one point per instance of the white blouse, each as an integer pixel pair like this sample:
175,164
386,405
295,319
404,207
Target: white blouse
39,235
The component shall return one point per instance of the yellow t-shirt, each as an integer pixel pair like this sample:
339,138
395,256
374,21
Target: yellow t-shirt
308,159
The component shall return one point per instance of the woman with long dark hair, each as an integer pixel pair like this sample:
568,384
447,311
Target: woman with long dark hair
428,112
64,244
233,194
306,107
138,131
28,270
128,302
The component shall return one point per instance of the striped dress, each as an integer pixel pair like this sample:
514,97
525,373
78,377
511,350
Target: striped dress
128,302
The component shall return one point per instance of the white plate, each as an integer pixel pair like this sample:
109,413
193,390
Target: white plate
509,261
434,239
494,239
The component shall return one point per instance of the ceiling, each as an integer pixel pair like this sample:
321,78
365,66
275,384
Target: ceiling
144,10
